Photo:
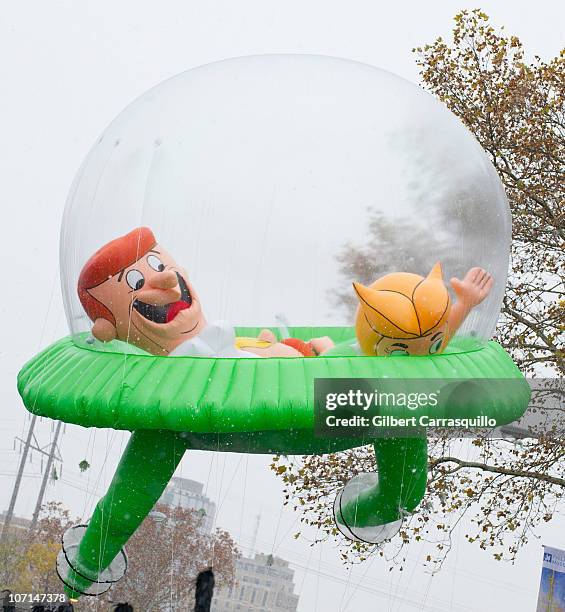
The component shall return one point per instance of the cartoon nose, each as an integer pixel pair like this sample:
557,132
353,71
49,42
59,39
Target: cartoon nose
164,280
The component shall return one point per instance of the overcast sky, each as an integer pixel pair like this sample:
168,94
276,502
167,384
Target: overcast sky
66,69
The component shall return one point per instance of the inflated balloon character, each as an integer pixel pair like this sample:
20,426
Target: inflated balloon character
242,194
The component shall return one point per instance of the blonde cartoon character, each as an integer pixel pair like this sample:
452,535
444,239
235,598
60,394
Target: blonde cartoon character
408,314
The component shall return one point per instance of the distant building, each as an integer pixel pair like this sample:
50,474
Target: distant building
18,525
263,584
188,495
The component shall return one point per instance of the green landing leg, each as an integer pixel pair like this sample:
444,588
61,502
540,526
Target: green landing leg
402,467
145,468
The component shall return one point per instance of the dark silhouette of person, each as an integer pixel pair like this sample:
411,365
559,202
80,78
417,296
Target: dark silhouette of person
204,591
7,605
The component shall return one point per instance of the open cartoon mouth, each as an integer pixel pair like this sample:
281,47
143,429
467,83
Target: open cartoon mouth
167,312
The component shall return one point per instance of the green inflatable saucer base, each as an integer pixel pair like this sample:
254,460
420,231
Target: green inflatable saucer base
174,404
241,405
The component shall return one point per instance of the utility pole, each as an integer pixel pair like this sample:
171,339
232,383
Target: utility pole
46,474
10,513
31,443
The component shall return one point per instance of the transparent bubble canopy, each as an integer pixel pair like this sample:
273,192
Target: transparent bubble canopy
276,181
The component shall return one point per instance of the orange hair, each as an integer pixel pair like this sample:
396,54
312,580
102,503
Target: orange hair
401,305
108,261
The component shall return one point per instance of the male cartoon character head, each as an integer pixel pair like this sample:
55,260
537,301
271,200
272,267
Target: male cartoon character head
134,291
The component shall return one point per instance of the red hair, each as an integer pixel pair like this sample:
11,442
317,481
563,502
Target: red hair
108,261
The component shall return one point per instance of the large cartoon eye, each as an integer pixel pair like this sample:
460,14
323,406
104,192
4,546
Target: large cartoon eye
434,348
135,279
155,263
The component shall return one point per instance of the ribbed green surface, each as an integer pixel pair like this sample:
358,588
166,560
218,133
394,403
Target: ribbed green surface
224,396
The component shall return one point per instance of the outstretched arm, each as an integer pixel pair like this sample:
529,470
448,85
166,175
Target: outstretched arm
319,345
470,292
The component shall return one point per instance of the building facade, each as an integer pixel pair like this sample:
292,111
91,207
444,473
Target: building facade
263,584
188,495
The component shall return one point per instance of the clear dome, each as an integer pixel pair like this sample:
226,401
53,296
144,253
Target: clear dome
277,181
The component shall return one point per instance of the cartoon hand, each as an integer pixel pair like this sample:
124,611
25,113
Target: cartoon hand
321,345
267,336
474,288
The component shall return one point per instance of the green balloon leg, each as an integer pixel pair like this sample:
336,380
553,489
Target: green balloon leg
402,467
151,458
146,467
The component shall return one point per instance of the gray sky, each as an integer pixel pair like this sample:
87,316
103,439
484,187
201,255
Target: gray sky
66,69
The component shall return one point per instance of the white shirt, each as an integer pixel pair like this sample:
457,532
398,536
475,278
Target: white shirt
215,340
